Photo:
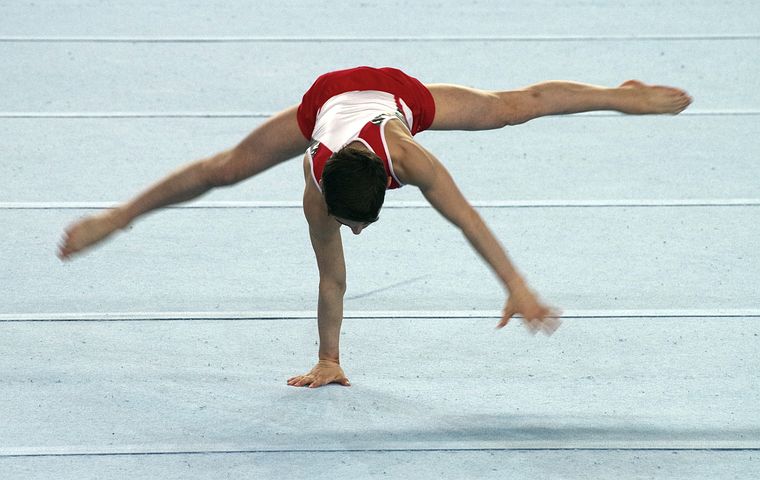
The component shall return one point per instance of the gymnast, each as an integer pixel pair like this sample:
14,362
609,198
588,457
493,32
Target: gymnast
357,128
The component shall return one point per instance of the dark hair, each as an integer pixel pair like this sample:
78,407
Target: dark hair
353,183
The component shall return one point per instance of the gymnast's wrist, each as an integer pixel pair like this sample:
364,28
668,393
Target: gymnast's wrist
329,358
515,284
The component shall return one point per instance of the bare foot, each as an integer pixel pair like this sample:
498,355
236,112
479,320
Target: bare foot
641,98
87,232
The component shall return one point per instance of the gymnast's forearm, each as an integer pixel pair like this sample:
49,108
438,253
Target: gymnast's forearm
182,185
329,319
490,249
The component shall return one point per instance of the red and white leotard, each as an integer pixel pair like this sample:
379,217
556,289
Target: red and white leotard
355,105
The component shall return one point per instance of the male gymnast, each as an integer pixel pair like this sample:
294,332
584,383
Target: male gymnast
357,127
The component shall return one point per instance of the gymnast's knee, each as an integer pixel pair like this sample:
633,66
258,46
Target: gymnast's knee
518,106
229,167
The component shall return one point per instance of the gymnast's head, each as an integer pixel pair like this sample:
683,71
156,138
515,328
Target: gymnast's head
353,185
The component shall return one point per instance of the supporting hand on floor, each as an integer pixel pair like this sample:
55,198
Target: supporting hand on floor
324,372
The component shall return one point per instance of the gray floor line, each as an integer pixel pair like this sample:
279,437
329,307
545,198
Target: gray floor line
354,39
590,203
393,314
550,445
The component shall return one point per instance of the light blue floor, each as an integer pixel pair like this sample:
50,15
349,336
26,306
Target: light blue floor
186,327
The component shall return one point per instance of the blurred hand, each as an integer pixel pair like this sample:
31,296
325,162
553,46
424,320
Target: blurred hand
324,372
536,315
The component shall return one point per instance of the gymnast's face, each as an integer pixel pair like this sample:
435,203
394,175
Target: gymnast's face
355,227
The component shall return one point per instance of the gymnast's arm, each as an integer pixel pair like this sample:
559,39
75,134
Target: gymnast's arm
326,241
420,168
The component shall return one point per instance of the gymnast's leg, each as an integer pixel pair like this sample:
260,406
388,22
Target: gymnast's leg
463,108
276,140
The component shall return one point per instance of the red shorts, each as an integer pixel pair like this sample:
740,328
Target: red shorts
391,80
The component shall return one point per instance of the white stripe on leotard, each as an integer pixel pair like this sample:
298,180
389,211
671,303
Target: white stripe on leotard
342,117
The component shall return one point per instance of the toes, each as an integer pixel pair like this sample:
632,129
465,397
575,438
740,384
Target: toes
64,251
682,105
67,251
